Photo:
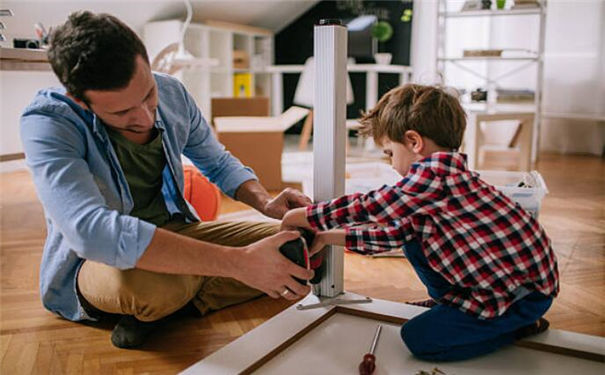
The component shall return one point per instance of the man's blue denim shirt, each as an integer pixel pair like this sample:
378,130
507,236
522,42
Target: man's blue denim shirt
84,192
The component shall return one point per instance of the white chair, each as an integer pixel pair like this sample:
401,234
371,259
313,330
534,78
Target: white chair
304,94
521,142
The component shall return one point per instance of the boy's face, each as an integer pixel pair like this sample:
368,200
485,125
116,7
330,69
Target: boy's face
402,155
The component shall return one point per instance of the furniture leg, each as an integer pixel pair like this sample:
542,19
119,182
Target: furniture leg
277,93
305,134
525,145
471,140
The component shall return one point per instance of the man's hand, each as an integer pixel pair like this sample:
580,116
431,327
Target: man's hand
285,201
263,267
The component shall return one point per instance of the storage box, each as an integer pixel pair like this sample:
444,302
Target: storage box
259,150
529,196
255,106
259,141
241,60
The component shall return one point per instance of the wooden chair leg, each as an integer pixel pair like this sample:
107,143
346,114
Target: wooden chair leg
305,134
525,144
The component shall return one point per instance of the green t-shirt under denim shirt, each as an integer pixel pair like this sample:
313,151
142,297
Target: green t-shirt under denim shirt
143,166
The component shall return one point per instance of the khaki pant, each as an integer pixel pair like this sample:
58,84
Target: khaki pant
150,296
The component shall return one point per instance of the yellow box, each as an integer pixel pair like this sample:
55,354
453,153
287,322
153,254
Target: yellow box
242,85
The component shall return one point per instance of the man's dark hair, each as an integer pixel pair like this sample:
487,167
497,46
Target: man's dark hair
94,52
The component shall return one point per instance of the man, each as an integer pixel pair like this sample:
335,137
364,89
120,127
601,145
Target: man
105,154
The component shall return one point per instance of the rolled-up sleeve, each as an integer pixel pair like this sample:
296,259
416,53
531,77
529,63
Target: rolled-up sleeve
55,153
205,151
383,206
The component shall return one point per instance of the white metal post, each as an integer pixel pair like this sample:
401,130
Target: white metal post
277,93
371,89
330,51
540,81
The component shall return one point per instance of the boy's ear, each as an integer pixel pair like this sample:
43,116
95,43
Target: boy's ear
414,141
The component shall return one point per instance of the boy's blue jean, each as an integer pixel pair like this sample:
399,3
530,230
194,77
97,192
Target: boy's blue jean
445,333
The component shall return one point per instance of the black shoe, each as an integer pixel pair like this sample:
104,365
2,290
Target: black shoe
130,332
532,329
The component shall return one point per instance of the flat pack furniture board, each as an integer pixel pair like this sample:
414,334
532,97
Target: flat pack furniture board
332,339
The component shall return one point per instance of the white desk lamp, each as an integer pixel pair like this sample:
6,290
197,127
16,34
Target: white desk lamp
175,57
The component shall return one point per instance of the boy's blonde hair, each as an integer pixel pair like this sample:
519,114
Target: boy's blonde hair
429,110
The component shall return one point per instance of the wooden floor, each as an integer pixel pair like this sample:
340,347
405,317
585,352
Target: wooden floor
34,341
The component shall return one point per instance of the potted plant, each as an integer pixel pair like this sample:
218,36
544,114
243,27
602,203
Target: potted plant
382,31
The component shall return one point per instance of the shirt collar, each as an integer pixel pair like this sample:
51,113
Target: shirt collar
442,163
159,124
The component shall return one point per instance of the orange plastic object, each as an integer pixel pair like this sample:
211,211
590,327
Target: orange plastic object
203,195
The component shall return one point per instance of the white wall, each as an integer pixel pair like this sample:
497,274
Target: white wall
574,75
18,88
423,52
16,91
270,14
574,69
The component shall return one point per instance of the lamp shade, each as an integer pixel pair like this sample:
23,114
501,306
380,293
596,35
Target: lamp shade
305,89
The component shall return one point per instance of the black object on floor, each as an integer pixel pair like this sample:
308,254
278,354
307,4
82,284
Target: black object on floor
131,333
532,329
298,251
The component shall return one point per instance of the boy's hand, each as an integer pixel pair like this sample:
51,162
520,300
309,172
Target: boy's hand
331,237
263,267
318,244
296,218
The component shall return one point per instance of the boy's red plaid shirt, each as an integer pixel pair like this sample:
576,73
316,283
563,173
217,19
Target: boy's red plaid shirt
485,245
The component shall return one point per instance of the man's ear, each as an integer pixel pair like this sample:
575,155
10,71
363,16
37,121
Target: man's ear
414,141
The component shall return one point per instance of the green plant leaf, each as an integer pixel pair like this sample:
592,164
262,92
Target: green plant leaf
382,31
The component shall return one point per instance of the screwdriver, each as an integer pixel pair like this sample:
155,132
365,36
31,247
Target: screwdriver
368,364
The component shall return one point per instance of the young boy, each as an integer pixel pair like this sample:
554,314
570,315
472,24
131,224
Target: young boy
487,264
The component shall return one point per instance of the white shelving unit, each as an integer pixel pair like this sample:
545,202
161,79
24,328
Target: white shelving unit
215,41
519,62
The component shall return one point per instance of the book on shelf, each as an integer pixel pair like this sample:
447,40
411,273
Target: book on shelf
471,5
515,95
526,4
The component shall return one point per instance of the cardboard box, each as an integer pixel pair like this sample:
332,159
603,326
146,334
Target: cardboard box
241,60
260,151
258,142
255,106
